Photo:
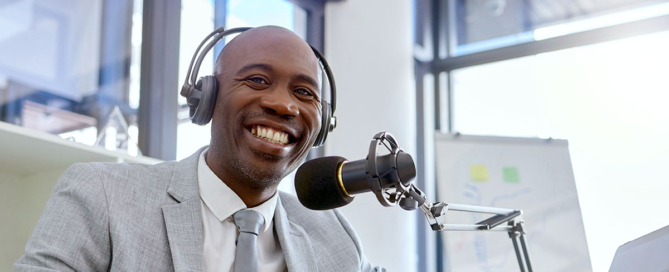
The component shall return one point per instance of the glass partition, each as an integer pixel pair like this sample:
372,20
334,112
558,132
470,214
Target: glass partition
69,67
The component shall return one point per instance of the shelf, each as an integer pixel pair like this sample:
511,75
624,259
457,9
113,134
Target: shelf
31,162
26,151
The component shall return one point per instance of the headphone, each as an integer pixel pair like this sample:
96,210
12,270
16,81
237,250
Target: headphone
201,95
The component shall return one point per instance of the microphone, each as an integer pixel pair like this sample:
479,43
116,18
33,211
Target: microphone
332,182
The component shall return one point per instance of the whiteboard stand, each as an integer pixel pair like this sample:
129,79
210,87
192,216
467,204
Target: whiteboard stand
434,212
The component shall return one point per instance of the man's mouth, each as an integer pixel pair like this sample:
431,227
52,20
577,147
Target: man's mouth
270,135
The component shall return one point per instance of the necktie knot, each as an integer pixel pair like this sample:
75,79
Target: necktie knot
248,221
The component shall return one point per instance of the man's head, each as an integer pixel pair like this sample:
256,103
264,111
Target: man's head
268,83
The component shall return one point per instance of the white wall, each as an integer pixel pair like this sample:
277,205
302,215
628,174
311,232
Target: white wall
369,45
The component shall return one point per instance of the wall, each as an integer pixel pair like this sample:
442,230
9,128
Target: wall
368,44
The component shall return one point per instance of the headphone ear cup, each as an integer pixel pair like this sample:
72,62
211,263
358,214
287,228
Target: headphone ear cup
203,112
325,125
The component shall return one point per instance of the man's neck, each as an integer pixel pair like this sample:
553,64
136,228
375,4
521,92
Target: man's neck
251,196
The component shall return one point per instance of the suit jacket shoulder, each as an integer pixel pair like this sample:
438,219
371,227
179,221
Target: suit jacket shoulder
105,216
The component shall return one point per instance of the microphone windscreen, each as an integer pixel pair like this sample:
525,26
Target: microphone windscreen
317,184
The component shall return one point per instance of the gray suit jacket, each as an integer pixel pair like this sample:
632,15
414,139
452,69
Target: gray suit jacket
134,217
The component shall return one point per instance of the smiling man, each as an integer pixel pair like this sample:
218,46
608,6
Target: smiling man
184,216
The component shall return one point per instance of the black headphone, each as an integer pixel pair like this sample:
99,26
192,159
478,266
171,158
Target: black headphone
201,96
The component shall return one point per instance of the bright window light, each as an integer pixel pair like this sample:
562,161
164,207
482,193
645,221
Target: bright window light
602,21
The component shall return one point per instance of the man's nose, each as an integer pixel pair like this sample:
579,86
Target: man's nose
280,101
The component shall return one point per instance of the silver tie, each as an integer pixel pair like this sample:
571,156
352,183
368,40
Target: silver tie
248,223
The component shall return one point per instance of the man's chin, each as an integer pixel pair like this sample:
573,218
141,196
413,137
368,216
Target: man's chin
259,177
262,170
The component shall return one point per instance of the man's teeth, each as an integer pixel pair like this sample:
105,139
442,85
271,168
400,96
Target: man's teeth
270,135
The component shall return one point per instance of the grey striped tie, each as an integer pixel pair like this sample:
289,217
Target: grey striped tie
248,223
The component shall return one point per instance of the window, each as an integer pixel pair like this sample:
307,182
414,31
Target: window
71,68
197,21
609,100
483,25
591,72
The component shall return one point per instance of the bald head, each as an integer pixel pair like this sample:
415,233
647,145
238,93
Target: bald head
263,39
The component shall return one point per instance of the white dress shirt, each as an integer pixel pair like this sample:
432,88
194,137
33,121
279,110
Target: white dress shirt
219,203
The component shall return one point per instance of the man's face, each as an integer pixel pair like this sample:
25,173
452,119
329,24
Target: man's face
268,110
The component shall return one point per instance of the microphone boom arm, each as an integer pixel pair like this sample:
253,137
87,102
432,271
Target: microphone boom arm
435,213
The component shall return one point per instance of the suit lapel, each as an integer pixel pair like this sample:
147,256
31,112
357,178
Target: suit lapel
184,233
184,219
295,243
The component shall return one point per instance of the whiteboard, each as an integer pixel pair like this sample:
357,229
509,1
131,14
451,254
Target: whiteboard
530,174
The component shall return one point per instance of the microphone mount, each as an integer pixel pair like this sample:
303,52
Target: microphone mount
392,188
387,183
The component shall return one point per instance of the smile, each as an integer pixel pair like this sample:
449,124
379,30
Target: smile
270,135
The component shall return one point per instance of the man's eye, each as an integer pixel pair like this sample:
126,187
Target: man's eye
304,92
258,80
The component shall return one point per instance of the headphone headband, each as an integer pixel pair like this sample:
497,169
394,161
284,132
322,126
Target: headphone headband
188,85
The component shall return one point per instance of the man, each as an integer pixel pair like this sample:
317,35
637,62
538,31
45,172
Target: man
181,215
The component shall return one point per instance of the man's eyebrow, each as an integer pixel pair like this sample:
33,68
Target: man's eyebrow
251,66
308,79
269,68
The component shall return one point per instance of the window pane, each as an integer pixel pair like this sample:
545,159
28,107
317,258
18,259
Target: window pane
259,12
197,21
610,101
66,65
484,25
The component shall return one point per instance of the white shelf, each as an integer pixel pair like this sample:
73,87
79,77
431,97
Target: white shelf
30,164
25,151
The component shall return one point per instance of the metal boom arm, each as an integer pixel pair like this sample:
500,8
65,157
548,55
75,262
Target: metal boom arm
434,213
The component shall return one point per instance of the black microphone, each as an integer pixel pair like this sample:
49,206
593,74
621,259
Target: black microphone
332,182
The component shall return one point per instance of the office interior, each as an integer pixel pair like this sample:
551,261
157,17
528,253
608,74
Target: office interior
99,80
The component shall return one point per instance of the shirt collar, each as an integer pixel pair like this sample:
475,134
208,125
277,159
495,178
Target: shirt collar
223,201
